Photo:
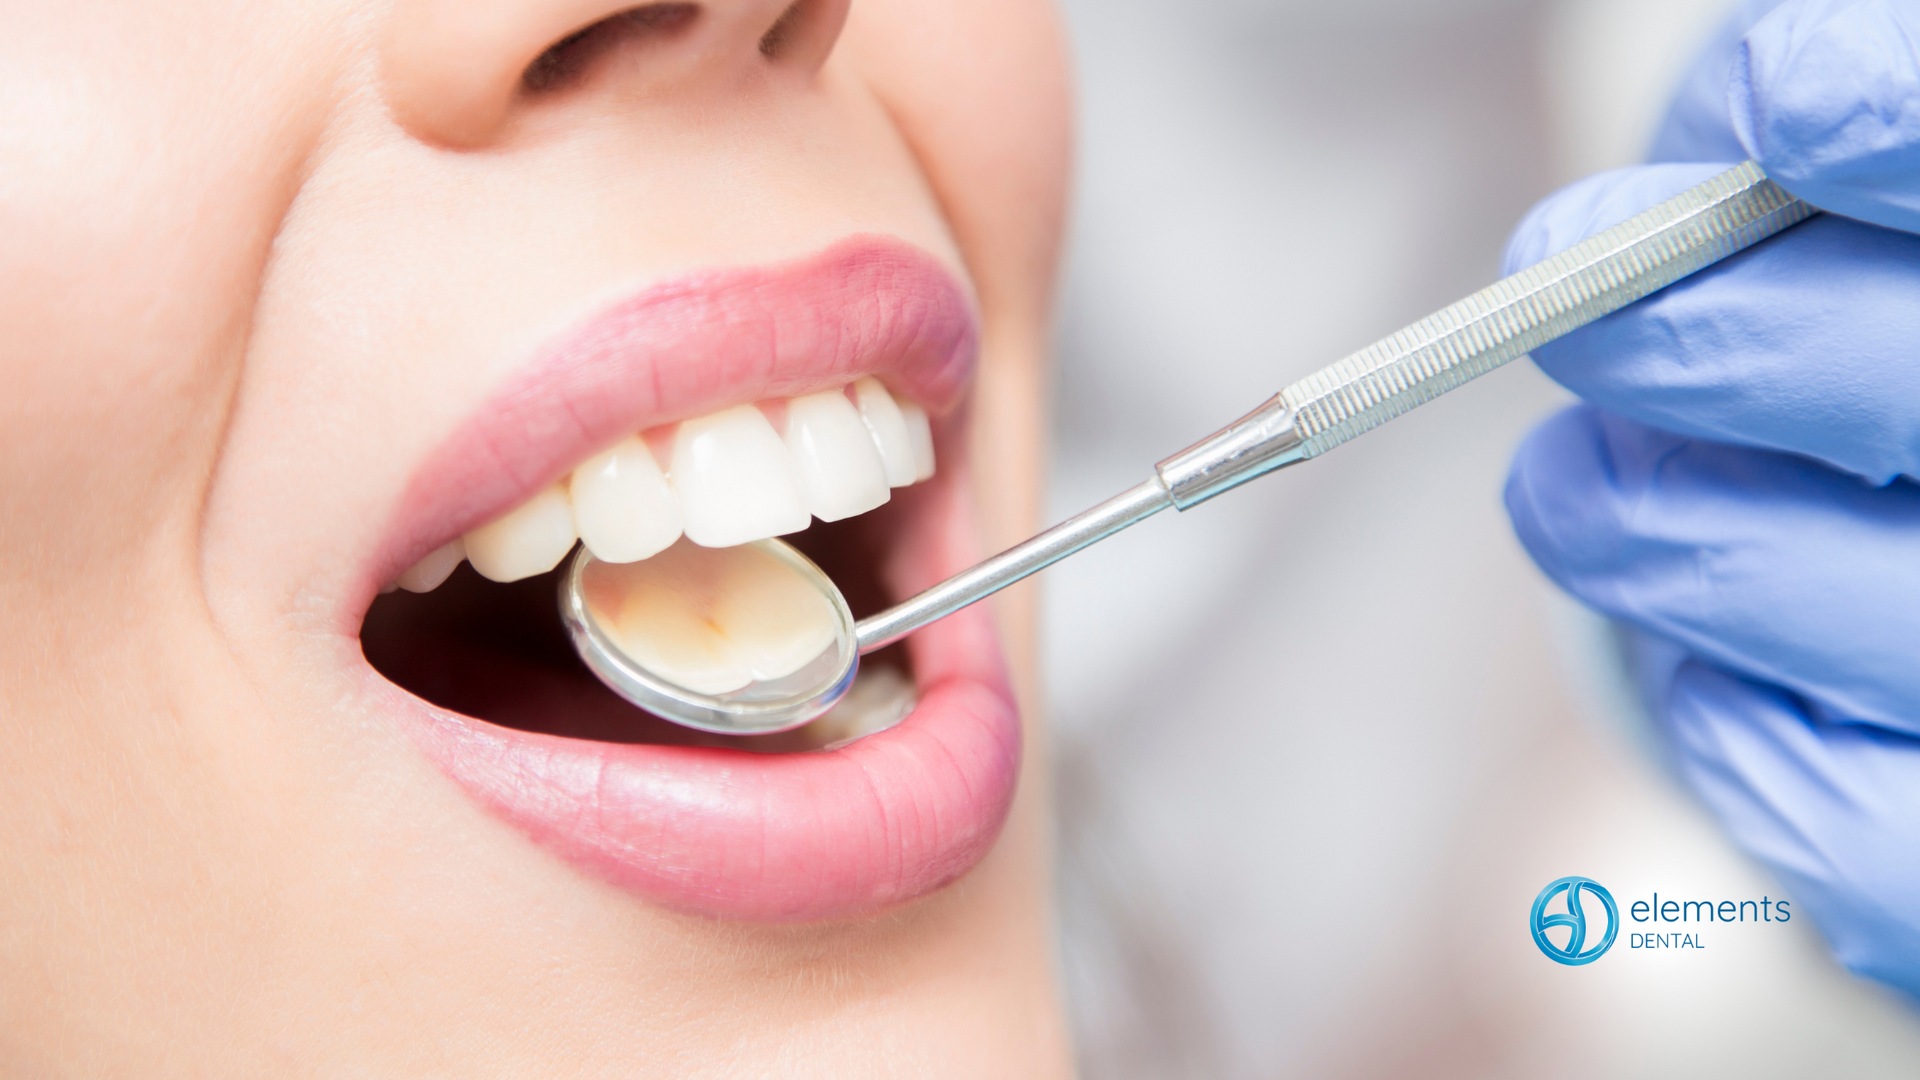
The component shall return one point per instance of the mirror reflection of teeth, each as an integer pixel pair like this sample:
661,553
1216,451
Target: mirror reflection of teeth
713,620
730,478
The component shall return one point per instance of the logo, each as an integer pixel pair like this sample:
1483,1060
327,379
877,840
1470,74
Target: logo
1575,951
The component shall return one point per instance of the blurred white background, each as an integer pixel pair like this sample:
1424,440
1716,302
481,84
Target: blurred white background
1318,744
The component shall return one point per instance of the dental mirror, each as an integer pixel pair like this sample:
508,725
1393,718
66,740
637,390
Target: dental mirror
731,640
748,640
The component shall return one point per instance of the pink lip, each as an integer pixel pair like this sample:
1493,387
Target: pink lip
725,832
866,306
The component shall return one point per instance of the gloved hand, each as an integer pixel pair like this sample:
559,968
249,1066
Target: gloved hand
1741,488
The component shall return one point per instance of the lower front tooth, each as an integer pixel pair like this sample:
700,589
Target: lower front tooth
889,430
734,480
622,505
530,539
840,470
920,434
428,574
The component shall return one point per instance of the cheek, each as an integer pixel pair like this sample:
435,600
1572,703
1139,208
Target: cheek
980,89
138,198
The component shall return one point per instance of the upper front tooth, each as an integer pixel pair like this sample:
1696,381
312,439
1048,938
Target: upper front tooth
622,505
530,539
889,430
840,469
920,434
434,568
734,480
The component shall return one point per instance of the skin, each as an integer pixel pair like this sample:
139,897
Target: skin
261,258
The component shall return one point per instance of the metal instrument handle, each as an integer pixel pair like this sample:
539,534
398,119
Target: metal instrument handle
1599,276
1459,343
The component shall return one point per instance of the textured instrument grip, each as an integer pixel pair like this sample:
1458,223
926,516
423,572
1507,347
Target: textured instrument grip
1600,275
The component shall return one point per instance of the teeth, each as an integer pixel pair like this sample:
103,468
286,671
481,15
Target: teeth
622,505
734,479
889,430
920,435
731,479
838,464
530,539
428,574
716,619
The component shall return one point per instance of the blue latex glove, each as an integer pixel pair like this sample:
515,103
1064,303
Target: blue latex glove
1741,488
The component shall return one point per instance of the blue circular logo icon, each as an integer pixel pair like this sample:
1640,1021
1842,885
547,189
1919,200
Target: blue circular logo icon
1575,950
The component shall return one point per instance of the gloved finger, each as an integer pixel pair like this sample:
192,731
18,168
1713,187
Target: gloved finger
1762,563
1698,125
1825,95
1832,809
1804,344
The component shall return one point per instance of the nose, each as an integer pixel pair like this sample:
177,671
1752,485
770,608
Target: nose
454,72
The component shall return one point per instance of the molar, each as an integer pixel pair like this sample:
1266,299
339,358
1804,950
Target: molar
530,539
714,620
622,506
734,480
889,430
840,469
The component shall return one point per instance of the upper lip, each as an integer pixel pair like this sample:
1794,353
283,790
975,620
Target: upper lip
868,305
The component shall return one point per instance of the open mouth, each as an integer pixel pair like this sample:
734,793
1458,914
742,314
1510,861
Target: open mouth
484,642
716,410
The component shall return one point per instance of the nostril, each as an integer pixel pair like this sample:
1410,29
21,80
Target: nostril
784,29
566,61
800,39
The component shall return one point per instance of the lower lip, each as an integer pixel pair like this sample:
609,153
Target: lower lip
785,838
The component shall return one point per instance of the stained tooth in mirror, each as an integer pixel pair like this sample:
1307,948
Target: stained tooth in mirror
678,644
888,428
714,619
734,479
530,539
920,435
776,619
622,505
839,467
434,567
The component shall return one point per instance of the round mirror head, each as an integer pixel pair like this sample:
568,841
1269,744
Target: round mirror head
746,640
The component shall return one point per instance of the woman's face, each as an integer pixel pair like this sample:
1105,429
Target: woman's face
295,293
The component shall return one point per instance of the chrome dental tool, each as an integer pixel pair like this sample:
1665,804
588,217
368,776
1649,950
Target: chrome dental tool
1688,232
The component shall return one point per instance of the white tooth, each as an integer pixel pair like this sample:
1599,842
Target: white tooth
713,619
888,428
840,471
920,434
428,574
622,505
734,480
530,539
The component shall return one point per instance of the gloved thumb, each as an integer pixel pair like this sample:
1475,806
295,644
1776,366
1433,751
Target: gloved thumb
1825,95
